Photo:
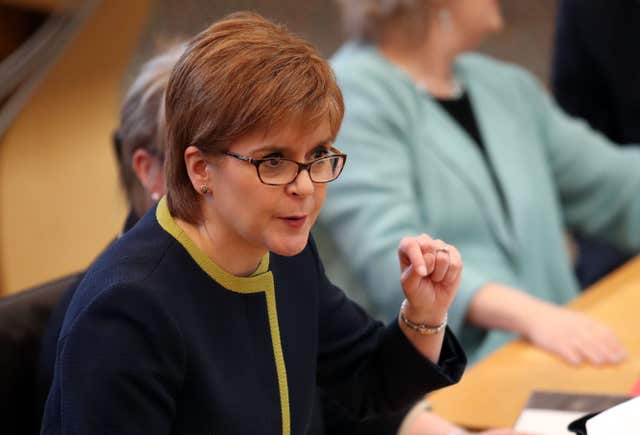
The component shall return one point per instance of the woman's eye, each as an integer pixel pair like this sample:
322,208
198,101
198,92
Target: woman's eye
273,163
320,153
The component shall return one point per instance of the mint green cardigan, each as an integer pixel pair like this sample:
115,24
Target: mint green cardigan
412,169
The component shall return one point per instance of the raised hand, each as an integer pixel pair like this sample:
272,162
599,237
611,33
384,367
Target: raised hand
430,275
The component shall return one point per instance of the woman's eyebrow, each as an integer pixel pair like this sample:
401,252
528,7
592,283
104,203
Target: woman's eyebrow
324,143
273,148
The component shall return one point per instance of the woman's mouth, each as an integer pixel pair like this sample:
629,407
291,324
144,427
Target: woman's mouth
294,221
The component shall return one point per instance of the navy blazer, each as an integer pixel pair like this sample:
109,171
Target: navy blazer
158,339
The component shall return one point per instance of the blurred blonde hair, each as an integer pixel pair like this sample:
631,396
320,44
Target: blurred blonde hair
369,20
142,124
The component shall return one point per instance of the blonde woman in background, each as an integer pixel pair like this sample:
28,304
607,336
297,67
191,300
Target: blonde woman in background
472,150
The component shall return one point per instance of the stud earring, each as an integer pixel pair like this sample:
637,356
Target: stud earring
204,189
155,196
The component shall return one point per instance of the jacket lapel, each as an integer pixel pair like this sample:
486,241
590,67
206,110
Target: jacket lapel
503,143
457,149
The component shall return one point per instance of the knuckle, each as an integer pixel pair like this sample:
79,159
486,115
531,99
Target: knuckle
405,244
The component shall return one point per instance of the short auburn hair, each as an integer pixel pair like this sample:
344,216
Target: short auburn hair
241,75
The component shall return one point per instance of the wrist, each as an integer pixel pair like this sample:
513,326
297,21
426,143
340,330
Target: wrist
429,327
430,317
538,311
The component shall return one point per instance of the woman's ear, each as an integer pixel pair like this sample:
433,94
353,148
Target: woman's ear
150,173
197,169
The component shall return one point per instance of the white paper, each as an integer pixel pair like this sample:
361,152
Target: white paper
547,421
623,419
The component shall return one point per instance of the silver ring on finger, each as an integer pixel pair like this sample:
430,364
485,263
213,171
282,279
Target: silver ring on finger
444,249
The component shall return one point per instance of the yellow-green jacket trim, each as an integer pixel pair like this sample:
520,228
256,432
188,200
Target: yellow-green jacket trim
260,281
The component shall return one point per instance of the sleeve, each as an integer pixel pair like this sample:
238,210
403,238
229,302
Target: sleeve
371,369
48,345
375,203
119,368
597,181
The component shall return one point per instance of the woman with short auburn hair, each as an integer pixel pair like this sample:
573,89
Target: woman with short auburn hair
213,314
212,107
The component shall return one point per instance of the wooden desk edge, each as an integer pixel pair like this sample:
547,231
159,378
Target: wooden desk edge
590,298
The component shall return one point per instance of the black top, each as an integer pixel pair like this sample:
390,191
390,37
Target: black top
158,339
461,110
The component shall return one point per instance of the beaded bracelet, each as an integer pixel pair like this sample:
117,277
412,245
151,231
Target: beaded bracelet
421,327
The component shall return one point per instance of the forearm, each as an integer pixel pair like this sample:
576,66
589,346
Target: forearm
569,334
497,306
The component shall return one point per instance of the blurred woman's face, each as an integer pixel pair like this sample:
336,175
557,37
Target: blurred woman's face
474,20
262,217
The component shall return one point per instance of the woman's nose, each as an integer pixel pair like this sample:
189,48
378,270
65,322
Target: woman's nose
302,185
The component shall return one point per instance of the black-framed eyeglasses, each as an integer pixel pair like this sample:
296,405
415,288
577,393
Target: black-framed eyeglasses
278,171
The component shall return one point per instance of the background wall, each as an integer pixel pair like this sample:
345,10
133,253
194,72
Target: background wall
60,203
527,38
59,199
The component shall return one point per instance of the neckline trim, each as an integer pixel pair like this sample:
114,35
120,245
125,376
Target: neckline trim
261,280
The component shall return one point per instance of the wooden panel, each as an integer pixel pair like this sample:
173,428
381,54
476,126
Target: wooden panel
16,26
60,203
493,392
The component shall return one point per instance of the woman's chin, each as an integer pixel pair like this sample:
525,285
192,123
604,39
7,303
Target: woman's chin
289,248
